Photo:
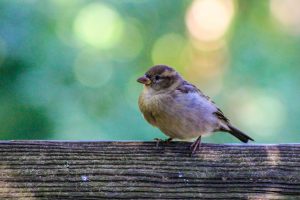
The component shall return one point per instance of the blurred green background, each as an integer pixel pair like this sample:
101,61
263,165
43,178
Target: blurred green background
68,68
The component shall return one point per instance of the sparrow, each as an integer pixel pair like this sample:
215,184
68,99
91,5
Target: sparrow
179,109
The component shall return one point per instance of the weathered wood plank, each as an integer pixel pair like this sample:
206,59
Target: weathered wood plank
126,170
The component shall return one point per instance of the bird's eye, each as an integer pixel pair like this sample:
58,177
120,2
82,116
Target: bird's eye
157,77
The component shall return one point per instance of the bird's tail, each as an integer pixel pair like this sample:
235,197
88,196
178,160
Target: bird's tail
239,134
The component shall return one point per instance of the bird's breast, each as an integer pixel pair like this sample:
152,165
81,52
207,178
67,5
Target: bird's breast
149,102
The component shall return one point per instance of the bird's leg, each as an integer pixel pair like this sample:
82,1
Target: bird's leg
195,146
166,141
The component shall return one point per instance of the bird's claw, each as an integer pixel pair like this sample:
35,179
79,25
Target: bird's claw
195,146
167,141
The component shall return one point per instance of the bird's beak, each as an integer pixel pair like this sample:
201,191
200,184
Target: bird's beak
144,80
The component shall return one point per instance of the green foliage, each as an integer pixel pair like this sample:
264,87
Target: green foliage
68,68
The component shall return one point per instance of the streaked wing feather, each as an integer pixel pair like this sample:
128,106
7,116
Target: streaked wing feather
187,87
221,116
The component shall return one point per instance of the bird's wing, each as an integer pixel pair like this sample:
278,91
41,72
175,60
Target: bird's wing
220,115
187,87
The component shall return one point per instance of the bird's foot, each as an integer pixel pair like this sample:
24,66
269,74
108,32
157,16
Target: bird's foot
166,141
195,146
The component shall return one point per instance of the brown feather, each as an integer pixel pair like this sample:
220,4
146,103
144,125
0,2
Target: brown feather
220,115
187,87
159,69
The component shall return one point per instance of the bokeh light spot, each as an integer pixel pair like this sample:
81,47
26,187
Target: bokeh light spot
99,25
132,42
287,13
208,20
92,71
169,49
260,112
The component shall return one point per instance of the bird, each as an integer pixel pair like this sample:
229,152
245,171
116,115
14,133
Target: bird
181,110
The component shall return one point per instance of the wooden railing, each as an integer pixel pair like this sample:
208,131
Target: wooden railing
128,170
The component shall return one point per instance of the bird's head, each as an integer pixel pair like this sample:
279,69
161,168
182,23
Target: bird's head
160,77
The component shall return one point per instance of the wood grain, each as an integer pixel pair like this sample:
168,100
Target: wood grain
139,170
